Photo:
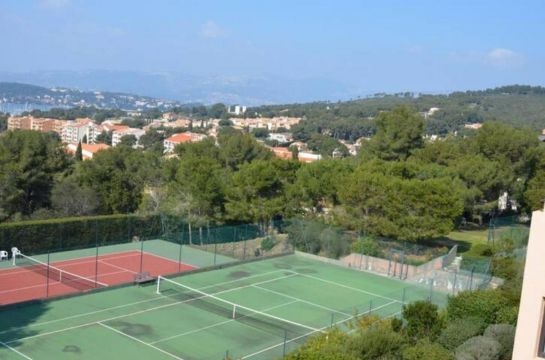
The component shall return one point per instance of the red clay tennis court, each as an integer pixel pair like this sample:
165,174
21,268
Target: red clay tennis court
31,279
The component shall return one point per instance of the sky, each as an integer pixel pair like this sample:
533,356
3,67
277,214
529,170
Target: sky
372,46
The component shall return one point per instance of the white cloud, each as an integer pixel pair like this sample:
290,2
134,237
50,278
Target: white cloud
504,58
212,30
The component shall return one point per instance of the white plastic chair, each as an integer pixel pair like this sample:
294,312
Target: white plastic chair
3,255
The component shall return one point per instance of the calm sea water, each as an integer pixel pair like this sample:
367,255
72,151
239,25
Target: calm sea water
16,109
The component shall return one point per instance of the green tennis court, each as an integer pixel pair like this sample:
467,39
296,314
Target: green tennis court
255,310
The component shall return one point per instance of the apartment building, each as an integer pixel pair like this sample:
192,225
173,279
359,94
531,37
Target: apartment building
20,122
176,139
118,134
272,124
530,335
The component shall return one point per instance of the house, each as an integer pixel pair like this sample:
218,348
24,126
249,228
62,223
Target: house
280,137
299,145
118,134
475,126
282,153
176,139
87,150
236,110
530,333
308,157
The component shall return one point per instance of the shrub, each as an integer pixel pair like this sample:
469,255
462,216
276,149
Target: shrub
479,347
422,320
268,243
482,250
485,304
504,334
460,330
375,342
425,350
367,246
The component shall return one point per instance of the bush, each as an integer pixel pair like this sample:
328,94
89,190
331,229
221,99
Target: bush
485,304
424,350
460,330
479,347
367,246
375,342
422,320
482,250
268,243
504,334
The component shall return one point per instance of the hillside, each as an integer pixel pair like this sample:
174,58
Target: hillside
517,105
17,93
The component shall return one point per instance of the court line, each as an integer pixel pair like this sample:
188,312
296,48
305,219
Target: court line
60,282
137,312
218,324
311,332
117,267
15,350
126,305
12,270
140,341
171,260
303,301
346,286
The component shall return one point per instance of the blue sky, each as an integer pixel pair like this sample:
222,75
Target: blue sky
372,46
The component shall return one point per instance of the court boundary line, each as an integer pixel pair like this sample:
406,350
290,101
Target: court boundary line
134,313
155,298
140,341
313,332
7,271
218,324
302,300
15,350
348,287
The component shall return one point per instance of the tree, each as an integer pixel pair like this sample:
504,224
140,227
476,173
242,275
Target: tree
256,192
504,334
3,122
105,137
535,192
128,140
485,304
399,133
217,111
326,145
260,133
237,148
68,198
29,160
79,153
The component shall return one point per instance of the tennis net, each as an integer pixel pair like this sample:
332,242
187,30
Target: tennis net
269,323
62,276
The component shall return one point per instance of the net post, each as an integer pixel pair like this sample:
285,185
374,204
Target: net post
141,256
158,288
403,295
234,316
47,277
370,306
285,343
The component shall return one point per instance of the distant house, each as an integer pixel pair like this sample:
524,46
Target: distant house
280,137
87,150
282,153
475,126
308,157
176,139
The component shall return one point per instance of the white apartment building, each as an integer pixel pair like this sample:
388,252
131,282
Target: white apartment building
281,137
118,134
530,335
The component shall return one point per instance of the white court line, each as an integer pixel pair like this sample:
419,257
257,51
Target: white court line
140,341
15,350
138,312
218,324
346,286
53,283
309,333
126,305
117,267
301,300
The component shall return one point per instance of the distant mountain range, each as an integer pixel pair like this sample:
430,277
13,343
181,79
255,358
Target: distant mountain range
185,88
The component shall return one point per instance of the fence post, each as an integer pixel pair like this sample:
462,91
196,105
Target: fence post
285,343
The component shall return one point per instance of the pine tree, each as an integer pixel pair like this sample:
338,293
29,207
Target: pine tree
79,153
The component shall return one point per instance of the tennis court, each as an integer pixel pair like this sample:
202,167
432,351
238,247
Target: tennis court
255,310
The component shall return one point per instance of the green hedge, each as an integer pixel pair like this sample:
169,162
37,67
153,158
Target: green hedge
42,236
